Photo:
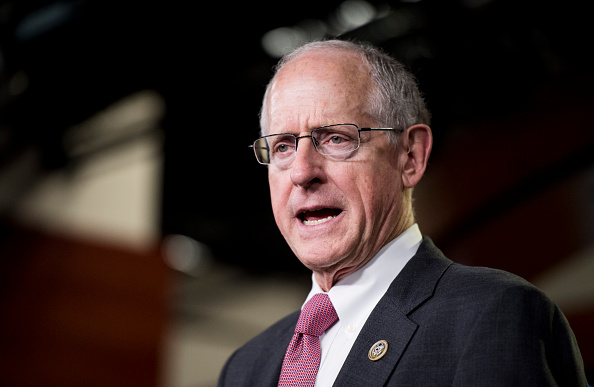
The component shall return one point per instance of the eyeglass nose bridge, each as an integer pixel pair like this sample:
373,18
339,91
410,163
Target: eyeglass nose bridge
313,140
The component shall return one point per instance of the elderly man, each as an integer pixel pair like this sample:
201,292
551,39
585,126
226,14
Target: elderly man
346,138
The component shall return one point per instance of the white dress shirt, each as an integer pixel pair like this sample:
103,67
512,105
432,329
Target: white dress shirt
355,296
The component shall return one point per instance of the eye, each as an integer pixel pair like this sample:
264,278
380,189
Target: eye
336,139
282,145
281,148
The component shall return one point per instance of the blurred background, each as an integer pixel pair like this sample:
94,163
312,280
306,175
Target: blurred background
137,244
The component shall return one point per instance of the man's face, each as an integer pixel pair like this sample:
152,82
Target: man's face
335,215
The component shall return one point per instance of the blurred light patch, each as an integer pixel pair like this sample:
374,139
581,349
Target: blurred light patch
281,41
396,23
123,120
186,255
354,13
46,19
349,15
314,29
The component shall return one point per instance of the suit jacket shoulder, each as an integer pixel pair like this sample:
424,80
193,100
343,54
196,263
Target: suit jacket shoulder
450,324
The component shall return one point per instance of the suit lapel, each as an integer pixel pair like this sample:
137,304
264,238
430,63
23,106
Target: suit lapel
358,369
271,362
389,320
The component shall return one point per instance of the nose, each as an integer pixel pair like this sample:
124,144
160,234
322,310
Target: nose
307,165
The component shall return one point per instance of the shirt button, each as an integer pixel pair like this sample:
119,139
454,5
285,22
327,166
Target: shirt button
350,328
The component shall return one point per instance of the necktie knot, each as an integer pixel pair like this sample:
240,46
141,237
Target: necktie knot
317,315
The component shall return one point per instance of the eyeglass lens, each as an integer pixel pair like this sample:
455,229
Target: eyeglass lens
335,140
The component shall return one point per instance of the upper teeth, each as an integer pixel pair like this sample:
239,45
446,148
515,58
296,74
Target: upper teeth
316,222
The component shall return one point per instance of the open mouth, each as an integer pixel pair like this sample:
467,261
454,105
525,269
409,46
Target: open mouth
315,217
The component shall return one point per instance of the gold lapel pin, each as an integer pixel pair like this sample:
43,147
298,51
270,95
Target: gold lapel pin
378,350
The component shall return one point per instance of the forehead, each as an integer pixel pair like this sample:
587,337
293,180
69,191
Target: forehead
317,88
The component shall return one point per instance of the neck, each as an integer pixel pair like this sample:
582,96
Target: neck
328,277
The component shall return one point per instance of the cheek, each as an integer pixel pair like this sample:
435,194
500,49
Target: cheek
379,192
362,182
279,195
372,200
274,192
363,194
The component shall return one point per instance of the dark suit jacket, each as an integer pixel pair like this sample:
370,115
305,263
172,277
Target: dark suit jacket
446,325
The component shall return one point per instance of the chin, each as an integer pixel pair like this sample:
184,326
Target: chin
318,259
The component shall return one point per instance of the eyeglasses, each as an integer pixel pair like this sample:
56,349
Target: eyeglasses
335,141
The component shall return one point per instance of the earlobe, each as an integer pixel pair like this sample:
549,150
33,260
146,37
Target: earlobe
419,141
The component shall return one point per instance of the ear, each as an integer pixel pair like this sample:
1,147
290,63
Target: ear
418,141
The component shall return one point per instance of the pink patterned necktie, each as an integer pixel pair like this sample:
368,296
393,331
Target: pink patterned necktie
302,359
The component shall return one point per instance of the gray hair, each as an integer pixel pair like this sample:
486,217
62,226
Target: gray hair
395,100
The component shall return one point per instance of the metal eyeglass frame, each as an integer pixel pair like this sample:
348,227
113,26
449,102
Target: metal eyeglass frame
297,138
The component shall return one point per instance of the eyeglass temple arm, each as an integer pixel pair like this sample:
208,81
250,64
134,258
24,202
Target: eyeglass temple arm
370,129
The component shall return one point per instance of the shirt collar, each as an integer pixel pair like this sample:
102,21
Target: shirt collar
355,296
